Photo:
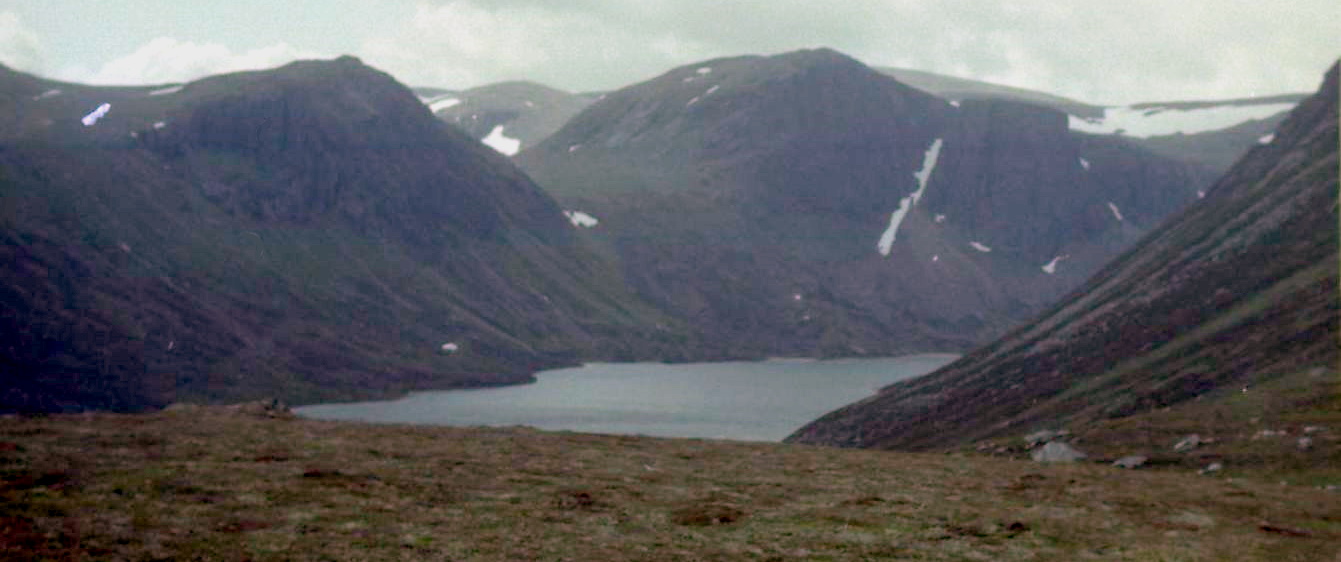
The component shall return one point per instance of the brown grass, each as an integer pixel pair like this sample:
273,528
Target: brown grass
215,484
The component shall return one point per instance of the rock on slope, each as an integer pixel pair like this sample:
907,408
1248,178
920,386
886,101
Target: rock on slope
805,204
1235,291
310,232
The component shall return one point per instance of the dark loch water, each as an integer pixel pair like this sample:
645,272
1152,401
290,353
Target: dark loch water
751,401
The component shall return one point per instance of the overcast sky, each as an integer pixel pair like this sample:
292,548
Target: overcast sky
1099,51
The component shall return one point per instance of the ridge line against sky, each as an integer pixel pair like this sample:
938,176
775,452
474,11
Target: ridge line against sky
1098,51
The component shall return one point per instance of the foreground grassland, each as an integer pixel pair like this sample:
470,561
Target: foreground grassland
224,484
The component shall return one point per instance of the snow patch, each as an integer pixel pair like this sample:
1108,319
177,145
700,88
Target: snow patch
1085,164
443,103
1267,139
704,70
954,103
692,101
530,103
1117,213
159,125
1051,267
891,233
936,258
1155,121
166,91
581,219
502,143
796,297
1201,194
47,94
711,90
929,159
980,247
93,117
573,148
886,242
450,347
940,218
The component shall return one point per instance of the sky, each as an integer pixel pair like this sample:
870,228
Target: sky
1096,51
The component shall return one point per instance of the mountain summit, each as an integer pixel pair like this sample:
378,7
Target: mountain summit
310,232
805,204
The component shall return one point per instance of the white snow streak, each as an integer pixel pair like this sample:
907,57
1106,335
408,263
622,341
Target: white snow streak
692,101
980,247
1051,267
711,90
1116,212
954,103
1155,121
1267,139
47,94
450,347
928,166
93,117
581,219
166,91
442,103
159,125
704,70
502,143
1085,164
940,218
891,233
886,242
573,148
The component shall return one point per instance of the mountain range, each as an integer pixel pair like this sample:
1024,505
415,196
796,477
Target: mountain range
320,232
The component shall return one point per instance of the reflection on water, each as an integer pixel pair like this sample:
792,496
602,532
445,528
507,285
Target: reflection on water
755,401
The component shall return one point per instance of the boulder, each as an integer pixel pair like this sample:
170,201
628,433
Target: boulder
1131,461
1188,443
1057,451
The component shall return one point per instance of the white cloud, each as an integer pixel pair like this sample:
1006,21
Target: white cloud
20,47
165,59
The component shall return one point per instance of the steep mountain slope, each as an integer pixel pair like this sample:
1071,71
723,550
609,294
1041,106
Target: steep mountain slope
1236,292
1214,134
310,232
507,116
804,204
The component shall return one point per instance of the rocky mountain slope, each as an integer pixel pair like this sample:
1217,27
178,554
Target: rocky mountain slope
805,204
507,116
1236,293
310,232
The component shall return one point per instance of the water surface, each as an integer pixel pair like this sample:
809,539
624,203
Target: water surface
752,401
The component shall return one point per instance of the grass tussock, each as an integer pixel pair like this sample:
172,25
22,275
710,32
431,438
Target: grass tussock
221,484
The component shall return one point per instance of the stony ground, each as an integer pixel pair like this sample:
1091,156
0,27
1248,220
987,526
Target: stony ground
229,484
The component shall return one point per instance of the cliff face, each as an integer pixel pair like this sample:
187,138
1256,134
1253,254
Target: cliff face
805,204
1234,292
310,232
